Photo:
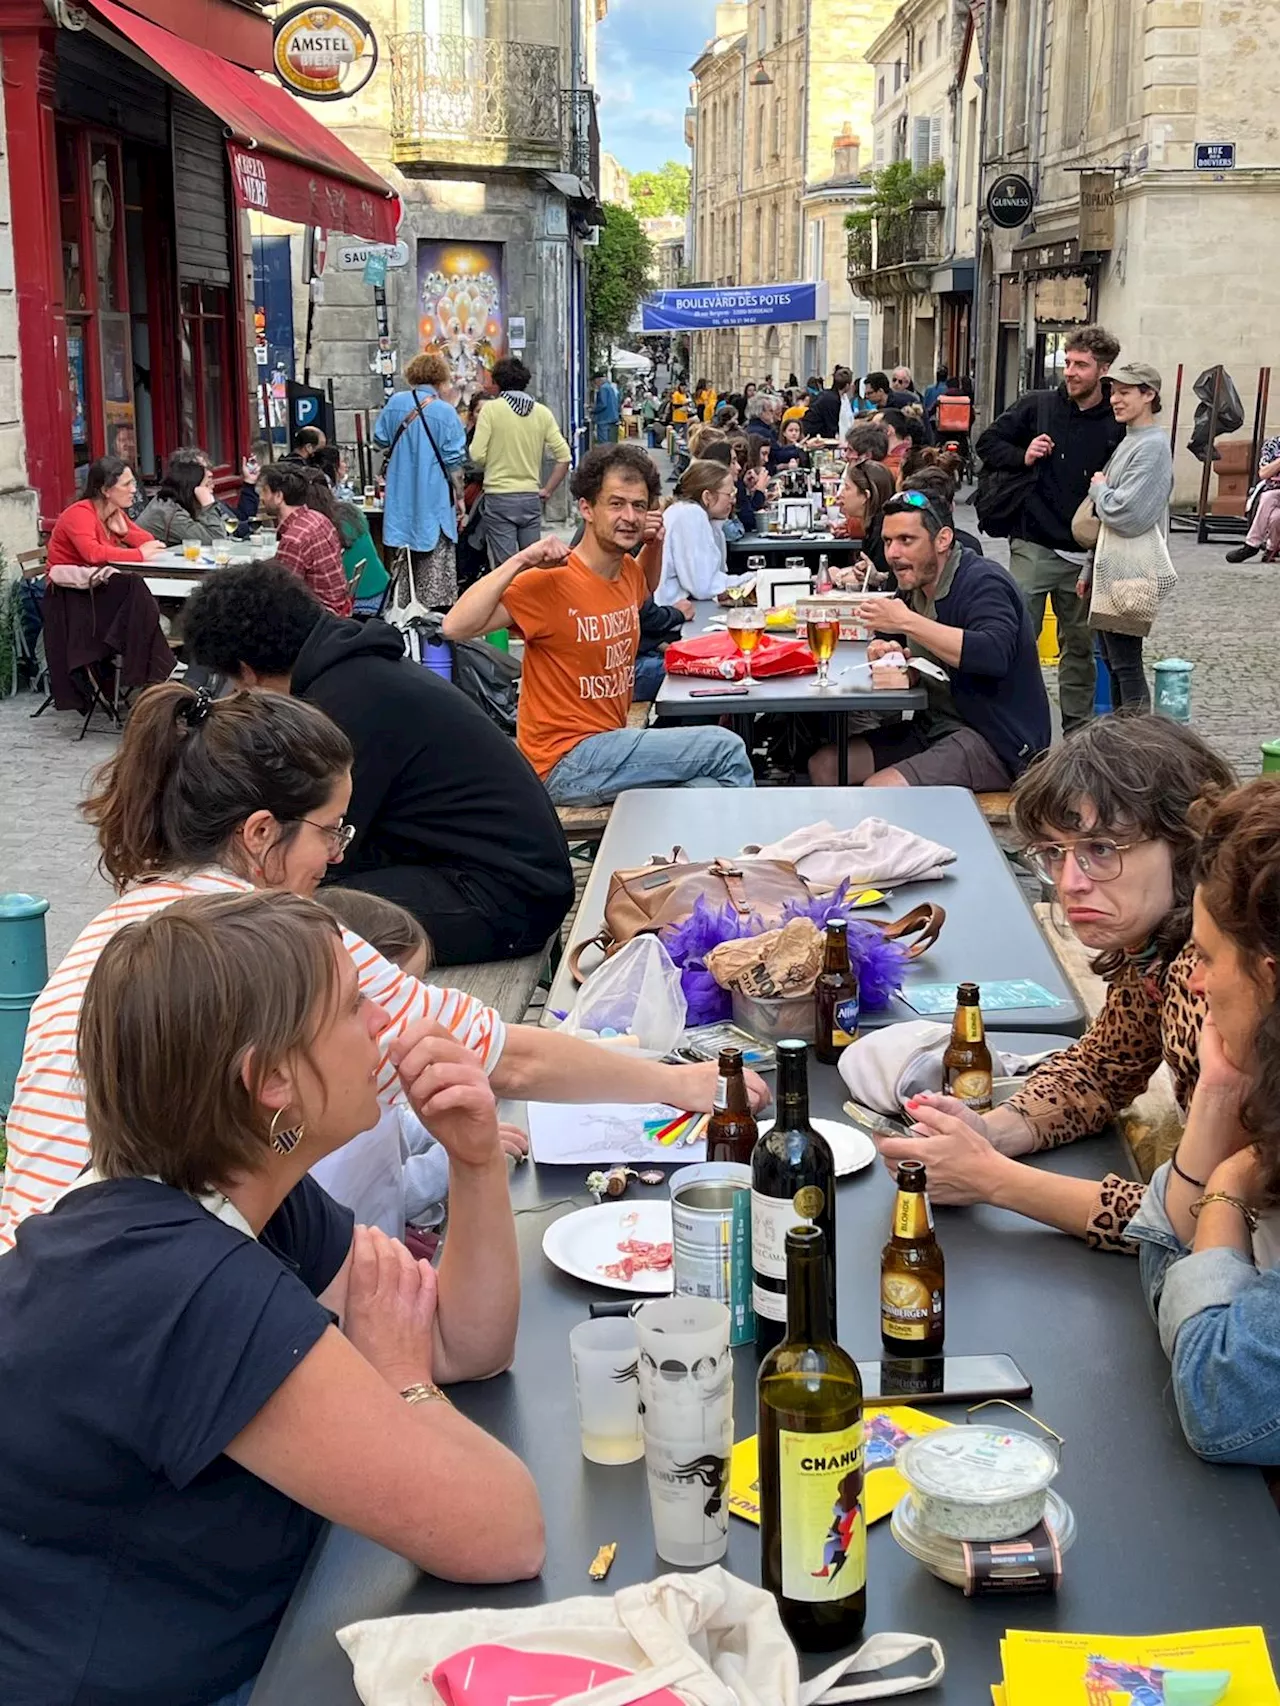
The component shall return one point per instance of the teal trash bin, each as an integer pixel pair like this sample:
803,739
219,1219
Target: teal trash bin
24,971
1173,688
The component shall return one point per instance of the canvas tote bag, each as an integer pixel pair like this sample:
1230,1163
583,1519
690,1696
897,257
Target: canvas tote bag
683,1640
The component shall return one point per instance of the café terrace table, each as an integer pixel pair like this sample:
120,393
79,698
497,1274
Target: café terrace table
990,933
1165,1542
848,690
777,546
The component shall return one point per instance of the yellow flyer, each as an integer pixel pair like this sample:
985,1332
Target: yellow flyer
884,1431
1208,1667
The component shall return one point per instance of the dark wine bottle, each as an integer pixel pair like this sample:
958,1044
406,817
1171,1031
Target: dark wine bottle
813,1532
793,1183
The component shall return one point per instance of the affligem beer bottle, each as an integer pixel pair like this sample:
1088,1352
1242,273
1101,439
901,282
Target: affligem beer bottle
913,1283
813,1532
835,997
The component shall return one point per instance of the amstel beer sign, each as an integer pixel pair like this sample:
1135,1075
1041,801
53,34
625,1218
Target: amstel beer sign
324,53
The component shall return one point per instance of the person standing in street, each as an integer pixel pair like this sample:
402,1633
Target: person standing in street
514,436
606,410
827,410
1131,498
426,445
1066,436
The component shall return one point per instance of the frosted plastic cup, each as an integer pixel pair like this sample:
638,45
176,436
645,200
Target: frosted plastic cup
689,1496
604,1357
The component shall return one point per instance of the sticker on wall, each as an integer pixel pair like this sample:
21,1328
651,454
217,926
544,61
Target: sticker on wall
324,53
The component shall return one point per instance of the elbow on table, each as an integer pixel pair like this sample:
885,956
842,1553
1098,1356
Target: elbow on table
513,1549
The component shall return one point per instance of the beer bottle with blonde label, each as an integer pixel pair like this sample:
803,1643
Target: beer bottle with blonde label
835,997
966,1065
913,1281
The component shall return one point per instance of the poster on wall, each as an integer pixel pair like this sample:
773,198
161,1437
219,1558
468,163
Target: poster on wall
461,312
76,378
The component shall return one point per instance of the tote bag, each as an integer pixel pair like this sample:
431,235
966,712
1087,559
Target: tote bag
683,1640
1131,576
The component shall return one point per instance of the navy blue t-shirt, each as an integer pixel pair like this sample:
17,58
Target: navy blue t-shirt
138,1336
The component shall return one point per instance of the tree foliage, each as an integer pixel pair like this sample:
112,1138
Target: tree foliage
896,189
656,193
617,277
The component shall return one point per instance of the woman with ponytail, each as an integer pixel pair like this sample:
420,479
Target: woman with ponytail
693,551
208,796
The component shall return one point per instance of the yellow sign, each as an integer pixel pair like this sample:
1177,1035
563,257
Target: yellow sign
324,53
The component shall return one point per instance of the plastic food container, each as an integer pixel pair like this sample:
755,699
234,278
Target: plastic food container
978,1483
945,1558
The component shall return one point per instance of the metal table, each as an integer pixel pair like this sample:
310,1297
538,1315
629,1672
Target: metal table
991,933
776,546
1165,1541
849,690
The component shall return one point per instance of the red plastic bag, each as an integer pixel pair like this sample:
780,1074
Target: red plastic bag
715,655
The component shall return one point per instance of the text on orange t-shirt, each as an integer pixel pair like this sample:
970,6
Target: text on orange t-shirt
580,637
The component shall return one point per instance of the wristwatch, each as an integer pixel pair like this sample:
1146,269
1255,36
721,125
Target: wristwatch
424,1392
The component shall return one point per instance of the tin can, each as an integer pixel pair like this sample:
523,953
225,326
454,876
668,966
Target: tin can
711,1233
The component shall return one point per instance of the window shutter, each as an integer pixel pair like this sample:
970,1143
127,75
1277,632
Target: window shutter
920,144
935,138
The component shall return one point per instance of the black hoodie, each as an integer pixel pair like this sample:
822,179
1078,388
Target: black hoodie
1083,440
435,782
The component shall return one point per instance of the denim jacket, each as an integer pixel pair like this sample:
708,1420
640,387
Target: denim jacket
1219,1321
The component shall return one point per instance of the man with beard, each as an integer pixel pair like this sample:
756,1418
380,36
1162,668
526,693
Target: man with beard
579,614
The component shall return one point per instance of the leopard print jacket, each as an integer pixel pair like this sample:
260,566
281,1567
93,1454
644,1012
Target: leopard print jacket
1150,1015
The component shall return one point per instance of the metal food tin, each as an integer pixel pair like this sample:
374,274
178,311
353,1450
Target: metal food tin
711,1233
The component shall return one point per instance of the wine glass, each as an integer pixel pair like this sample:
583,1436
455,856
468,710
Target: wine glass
823,627
745,627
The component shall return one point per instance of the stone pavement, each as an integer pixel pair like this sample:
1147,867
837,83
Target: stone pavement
1227,620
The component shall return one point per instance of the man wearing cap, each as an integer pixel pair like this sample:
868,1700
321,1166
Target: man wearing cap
963,618
1066,436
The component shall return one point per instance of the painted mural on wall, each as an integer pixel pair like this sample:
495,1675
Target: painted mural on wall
461,311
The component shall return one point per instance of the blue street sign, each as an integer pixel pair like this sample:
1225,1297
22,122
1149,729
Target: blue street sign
375,267
751,305
1215,156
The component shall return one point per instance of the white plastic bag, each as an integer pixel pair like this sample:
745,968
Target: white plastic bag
634,997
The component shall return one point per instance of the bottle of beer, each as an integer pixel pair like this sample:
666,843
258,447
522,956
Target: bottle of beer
813,1533
793,1183
732,1130
835,997
966,1066
913,1281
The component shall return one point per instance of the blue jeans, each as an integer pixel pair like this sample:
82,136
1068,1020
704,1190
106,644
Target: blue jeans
238,1696
651,672
607,432
604,766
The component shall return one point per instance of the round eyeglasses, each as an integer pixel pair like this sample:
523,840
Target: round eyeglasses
1097,857
340,835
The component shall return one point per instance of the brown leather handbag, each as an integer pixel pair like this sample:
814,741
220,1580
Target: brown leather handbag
665,891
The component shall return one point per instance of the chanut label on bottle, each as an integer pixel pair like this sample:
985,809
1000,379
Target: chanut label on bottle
824,1529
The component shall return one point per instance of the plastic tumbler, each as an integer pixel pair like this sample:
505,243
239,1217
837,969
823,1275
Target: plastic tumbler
686,1395
604,1356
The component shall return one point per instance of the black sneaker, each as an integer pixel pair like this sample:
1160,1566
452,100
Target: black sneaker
1242,553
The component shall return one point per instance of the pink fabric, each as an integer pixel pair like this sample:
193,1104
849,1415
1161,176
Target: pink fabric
501,1676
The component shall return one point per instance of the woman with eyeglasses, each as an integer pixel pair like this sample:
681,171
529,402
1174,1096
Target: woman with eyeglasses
1104,818
224,796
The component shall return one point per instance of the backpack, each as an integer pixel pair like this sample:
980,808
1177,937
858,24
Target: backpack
1003,492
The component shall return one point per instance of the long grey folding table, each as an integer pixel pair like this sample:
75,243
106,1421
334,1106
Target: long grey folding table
849,690
990,935
775,546
1165,1542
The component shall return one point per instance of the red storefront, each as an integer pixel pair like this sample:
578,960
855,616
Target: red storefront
133,148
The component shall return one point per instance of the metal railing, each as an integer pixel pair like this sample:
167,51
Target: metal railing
913,237
466,100
582,136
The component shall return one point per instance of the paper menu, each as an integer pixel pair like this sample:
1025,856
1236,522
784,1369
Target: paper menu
885,1430
1208,1667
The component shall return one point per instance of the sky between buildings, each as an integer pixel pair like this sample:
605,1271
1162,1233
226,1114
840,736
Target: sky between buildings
644,50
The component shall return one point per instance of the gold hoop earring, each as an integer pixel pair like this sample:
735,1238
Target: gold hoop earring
285,1142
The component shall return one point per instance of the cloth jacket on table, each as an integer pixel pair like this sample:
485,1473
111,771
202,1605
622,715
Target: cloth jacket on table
872,853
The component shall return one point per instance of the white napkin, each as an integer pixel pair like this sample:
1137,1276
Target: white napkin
871,854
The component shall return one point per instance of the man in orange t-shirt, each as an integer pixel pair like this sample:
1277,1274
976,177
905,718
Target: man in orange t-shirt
579,614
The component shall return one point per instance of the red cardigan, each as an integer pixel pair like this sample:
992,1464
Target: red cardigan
79,536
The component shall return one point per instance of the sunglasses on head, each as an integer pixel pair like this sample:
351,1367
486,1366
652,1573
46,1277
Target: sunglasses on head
911,503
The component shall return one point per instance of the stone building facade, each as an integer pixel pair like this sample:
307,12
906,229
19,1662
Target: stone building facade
17,500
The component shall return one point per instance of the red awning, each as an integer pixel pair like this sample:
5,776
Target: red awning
283,161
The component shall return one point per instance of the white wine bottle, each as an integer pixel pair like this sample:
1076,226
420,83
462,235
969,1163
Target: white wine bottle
813,1531
793,1183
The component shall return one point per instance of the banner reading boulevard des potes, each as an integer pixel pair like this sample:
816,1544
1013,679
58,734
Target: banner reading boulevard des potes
698,310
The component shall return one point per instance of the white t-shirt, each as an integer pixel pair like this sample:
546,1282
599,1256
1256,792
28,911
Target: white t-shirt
392,1173
47,1136
693,555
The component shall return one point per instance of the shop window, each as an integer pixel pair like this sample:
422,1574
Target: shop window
206,380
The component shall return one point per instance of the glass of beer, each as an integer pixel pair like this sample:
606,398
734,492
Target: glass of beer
745,628
823,632
191,550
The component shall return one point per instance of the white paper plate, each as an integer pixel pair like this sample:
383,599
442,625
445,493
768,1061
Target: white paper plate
583,1242
852,1149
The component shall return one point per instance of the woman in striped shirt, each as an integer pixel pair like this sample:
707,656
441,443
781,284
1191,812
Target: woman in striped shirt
206,796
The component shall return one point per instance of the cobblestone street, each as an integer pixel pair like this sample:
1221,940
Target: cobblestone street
1226,620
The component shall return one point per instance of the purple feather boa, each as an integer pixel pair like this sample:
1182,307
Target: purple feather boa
879,964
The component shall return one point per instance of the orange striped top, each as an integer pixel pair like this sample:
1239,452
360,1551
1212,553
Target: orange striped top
48,1140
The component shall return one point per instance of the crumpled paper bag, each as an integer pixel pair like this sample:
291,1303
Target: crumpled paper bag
773,965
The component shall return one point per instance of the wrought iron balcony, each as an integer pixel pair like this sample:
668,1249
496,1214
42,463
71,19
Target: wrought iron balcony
895,255
472,102
582,136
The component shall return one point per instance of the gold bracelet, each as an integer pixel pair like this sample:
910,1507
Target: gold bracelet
424,1392
1250,1214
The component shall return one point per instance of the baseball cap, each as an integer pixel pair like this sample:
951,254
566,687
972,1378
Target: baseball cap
1136,373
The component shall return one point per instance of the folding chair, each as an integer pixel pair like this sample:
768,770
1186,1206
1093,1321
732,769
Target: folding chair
27,624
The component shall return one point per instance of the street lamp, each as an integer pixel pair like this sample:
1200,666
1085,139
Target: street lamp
760,78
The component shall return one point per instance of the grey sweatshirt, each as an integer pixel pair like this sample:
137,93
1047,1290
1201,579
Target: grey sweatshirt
1139,483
